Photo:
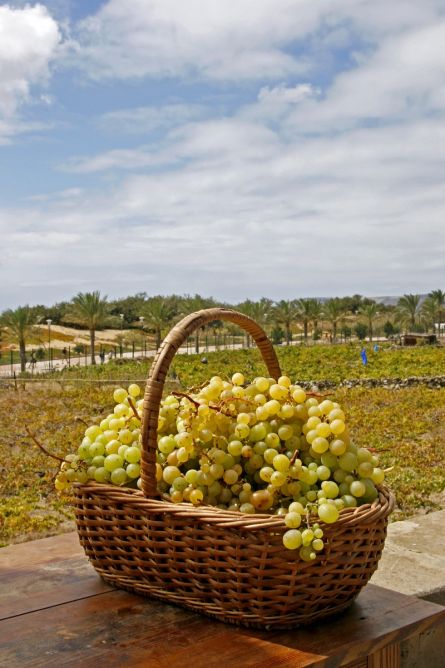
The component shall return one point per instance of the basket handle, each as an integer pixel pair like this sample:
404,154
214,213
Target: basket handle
158,372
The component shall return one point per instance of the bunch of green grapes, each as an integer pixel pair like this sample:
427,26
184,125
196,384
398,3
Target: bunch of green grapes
264,446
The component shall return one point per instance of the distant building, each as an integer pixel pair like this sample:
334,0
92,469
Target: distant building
418,339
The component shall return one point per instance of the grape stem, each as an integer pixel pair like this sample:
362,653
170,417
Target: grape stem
293,458
133,408
187,396
39,445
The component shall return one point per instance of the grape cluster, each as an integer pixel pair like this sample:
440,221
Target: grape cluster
261,447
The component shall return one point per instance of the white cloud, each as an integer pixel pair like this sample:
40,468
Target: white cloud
246,213
28,42
302,192
404,78
235,40
230,40
140,120
126,159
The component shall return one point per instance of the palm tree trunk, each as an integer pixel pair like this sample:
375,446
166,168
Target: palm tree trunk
92,344
158,338
22,353
305,324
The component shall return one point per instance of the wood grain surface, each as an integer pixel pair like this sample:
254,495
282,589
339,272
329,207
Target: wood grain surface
57,612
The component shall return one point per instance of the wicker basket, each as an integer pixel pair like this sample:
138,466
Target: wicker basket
221,563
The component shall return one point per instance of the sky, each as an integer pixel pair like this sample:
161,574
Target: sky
236,149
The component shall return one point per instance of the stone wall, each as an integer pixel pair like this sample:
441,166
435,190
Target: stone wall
391,383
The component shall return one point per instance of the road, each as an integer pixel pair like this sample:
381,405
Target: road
8,370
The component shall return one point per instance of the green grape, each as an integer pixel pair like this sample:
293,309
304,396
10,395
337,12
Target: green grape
257,433
196,496
349,500
337,427
317,544
320,444
118,476
247,508
230,476
277,478
378,476
261,384
357,488
133,471
323,472
134,390
238,379
234,448
96,449
330,488
112,462
292,520
101,474
281,463
98,461
93,432
112,447
299,395
328,513
125,436
365,470
278,392
348,461
292,539
323,429
119,395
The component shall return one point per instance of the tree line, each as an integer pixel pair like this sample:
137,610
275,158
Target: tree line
157,314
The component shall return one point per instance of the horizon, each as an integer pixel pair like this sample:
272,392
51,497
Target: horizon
387,300
230,149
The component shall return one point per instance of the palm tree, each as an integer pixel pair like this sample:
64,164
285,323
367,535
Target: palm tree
439,297
305,310
20,323
258,311
90,309
286,312
316,313
429,311
370,312
191,304
407,309
333,310
159,313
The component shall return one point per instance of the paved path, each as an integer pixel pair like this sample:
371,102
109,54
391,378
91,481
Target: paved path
8,370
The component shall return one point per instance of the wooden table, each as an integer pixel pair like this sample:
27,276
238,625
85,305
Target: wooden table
55,611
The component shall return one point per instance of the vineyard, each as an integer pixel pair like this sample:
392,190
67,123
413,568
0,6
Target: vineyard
405,426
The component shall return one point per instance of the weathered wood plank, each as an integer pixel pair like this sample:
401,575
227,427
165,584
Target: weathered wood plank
388,657
58,612
31,553
48,584
120,629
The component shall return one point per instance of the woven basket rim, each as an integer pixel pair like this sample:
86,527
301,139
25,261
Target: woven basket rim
363,514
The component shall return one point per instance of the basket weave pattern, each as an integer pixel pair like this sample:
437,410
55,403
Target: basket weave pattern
217,562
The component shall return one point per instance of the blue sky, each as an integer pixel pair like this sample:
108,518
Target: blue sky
235,149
